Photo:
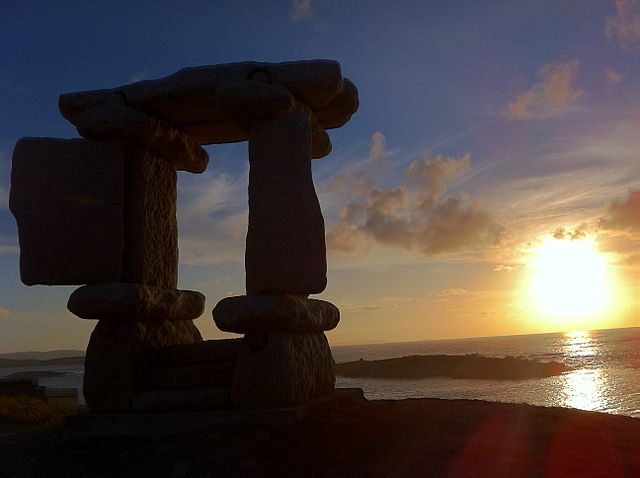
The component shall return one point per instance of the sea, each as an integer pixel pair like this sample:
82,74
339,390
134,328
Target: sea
604,375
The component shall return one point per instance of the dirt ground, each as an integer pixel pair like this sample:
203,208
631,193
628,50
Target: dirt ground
427,437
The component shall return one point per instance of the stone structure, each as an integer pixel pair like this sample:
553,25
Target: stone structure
101,211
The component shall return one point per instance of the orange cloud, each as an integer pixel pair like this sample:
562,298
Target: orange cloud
624,27
549,96
623,215
416,215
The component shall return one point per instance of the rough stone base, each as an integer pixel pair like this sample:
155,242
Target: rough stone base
168,423
120,353
289,370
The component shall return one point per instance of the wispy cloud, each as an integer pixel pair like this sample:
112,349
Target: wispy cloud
139,75
416,215
212,215
4,198
7,83
300,10
549,97
623,28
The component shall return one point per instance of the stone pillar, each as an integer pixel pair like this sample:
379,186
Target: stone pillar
285,251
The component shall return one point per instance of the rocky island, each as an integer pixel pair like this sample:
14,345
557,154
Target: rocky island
453,366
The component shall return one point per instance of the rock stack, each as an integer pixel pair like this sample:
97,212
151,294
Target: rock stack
101,211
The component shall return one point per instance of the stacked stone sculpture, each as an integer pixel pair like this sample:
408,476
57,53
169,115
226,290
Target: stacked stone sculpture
101,211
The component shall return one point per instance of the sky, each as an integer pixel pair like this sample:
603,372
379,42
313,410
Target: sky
485,130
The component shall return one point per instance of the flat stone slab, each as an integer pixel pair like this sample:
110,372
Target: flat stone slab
170,423
117,301
115,120
188,98
207,351
68,198
274,313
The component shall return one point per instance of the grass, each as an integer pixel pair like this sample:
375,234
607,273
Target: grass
28,410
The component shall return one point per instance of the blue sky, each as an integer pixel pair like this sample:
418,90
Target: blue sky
483,128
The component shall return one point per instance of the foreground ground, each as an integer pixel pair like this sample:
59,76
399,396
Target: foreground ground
427,437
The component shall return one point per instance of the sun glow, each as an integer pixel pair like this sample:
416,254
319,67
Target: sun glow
571,284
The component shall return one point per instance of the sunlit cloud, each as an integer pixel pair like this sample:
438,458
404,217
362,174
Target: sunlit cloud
551,96
417,215
4,313
300,10
623,214
377,146
623,28
612,77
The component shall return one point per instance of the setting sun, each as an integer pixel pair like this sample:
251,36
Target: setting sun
571,283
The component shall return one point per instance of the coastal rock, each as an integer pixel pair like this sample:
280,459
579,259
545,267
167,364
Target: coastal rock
151,240
222,350
117,301
289,370
116,120
285,249
274,313
190,376
181,399
121,352
68,197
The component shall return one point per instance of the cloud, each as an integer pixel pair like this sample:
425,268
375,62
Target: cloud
212,217
505,268
612,77
4,313
300,10
578,233
139,75
623,215
377,146
623,28
415,215
550,96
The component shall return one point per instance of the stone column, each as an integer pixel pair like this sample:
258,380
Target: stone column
285,251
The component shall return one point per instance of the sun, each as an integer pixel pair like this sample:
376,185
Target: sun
570,283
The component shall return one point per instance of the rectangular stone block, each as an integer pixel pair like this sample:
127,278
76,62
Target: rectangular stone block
151,239
190,376
68,199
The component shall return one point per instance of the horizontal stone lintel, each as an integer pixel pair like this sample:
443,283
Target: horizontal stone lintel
189,100
123,301
115,120
275,313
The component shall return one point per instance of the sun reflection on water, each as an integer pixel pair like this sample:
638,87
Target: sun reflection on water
585,388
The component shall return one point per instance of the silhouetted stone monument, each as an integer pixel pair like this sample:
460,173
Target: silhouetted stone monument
101,211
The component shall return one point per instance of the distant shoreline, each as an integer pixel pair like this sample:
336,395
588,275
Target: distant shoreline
15,363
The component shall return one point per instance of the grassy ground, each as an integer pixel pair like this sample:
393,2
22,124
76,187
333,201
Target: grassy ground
26,410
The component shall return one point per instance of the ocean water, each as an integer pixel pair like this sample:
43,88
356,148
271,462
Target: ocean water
605,375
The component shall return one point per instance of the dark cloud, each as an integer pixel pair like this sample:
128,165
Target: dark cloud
578,233
416,215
